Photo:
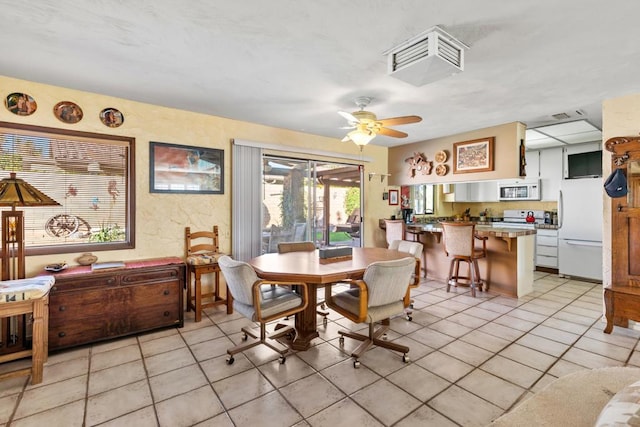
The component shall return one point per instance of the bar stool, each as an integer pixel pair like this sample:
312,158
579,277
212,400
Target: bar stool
202,253
21,297
458,238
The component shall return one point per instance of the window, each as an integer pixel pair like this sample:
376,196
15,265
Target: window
422,197
90,175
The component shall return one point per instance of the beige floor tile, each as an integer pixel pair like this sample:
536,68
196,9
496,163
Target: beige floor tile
241,388
113,345
114,403
169,361
501,331
217,368
466,352
69,415
311,394
563,325
69,354
348,379
419,382
154,335
115,357
281,374
536,306
268,410
575,318
117,376
447,367
14,385
431,338
486,341
491,388
345,413
49,396
162,345
324,355
467,300
555,334
390,409
145,417
604,349
453,329
212,348
563,367
515,323
482,313
62,371
439,311
173,383
528,356
425,416
588,359
189,408
382,360
474,412
553,348
612,338
194,336
514,372
467,320
221,420
543,382
527,315
7,404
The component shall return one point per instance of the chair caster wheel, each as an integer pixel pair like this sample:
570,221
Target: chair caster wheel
230,360
323,306
409,318
341,341
291,335
324,321
384,337
411,306
245,337
356,364
405,358
282,360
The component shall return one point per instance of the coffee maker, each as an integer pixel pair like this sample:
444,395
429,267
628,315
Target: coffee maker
407,215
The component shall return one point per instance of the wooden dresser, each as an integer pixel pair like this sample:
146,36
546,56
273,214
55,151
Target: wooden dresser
86,306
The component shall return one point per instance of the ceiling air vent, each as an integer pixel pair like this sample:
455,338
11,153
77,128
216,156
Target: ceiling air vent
430,56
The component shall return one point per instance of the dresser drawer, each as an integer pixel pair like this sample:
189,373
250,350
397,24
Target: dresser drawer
546,241
547,261
547,250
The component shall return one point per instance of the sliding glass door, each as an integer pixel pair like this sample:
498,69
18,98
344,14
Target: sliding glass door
309,200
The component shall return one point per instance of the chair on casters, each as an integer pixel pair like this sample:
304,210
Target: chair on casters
415,249
379,295
284,247
261,302
459,244
201,254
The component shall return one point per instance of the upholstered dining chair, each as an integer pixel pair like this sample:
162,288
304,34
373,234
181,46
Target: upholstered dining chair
261,302
378,296
414,249
459,244
394,230
306,246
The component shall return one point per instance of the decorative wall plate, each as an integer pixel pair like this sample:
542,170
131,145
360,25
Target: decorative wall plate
68,112
111,117
441,170
441,156
20,104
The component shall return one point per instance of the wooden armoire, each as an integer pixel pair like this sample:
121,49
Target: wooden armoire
622,296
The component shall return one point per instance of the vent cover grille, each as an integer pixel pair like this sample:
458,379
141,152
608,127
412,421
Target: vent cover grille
430,56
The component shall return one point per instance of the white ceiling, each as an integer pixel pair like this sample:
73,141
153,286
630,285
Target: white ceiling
293,63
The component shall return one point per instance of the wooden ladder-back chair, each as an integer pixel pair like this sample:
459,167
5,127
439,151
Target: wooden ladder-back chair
201,254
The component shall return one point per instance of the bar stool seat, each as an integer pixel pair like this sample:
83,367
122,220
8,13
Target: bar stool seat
202,258
22,297
459,244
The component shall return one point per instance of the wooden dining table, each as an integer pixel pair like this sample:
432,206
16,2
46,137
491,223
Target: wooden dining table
306,267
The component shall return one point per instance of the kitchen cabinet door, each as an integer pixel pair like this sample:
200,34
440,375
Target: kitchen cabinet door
550,173
533,164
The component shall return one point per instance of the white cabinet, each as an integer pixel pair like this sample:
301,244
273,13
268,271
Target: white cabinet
550,173
533,164
482,191
457,193
547,248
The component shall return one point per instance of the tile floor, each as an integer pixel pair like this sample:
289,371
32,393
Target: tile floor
472,360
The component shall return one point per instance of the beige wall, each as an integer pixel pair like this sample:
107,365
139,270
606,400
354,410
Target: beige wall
161,218
620,117
506,156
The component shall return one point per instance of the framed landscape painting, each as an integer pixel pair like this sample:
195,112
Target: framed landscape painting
473,156
185,169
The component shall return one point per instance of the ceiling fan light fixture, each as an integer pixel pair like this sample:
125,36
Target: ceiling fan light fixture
361,136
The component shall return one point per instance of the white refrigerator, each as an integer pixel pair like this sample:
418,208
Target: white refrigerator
580,228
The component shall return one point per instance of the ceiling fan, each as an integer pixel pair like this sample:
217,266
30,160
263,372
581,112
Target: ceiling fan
367,125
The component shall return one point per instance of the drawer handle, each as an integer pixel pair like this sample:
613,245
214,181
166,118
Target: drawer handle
55,288
166,292
167,314
111,281
62,334
62,308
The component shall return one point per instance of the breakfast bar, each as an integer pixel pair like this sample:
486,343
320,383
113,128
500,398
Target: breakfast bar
508,267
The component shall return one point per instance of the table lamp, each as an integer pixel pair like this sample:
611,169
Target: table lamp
16,192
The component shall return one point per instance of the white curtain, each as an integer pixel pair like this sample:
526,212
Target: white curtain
246,201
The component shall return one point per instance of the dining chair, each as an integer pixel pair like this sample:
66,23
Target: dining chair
459,244
394,230
285,247
414,249
262,301
201,257
378,296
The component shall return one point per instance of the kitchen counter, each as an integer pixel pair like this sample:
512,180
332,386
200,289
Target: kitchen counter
508,267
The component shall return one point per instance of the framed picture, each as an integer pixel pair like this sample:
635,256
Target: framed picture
393,197
185,169
473,156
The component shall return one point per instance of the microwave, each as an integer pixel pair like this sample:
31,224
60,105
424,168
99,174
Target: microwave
519,190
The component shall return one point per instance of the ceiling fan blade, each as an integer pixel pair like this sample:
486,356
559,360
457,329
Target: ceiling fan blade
392,132
350,117
346,139
400,120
